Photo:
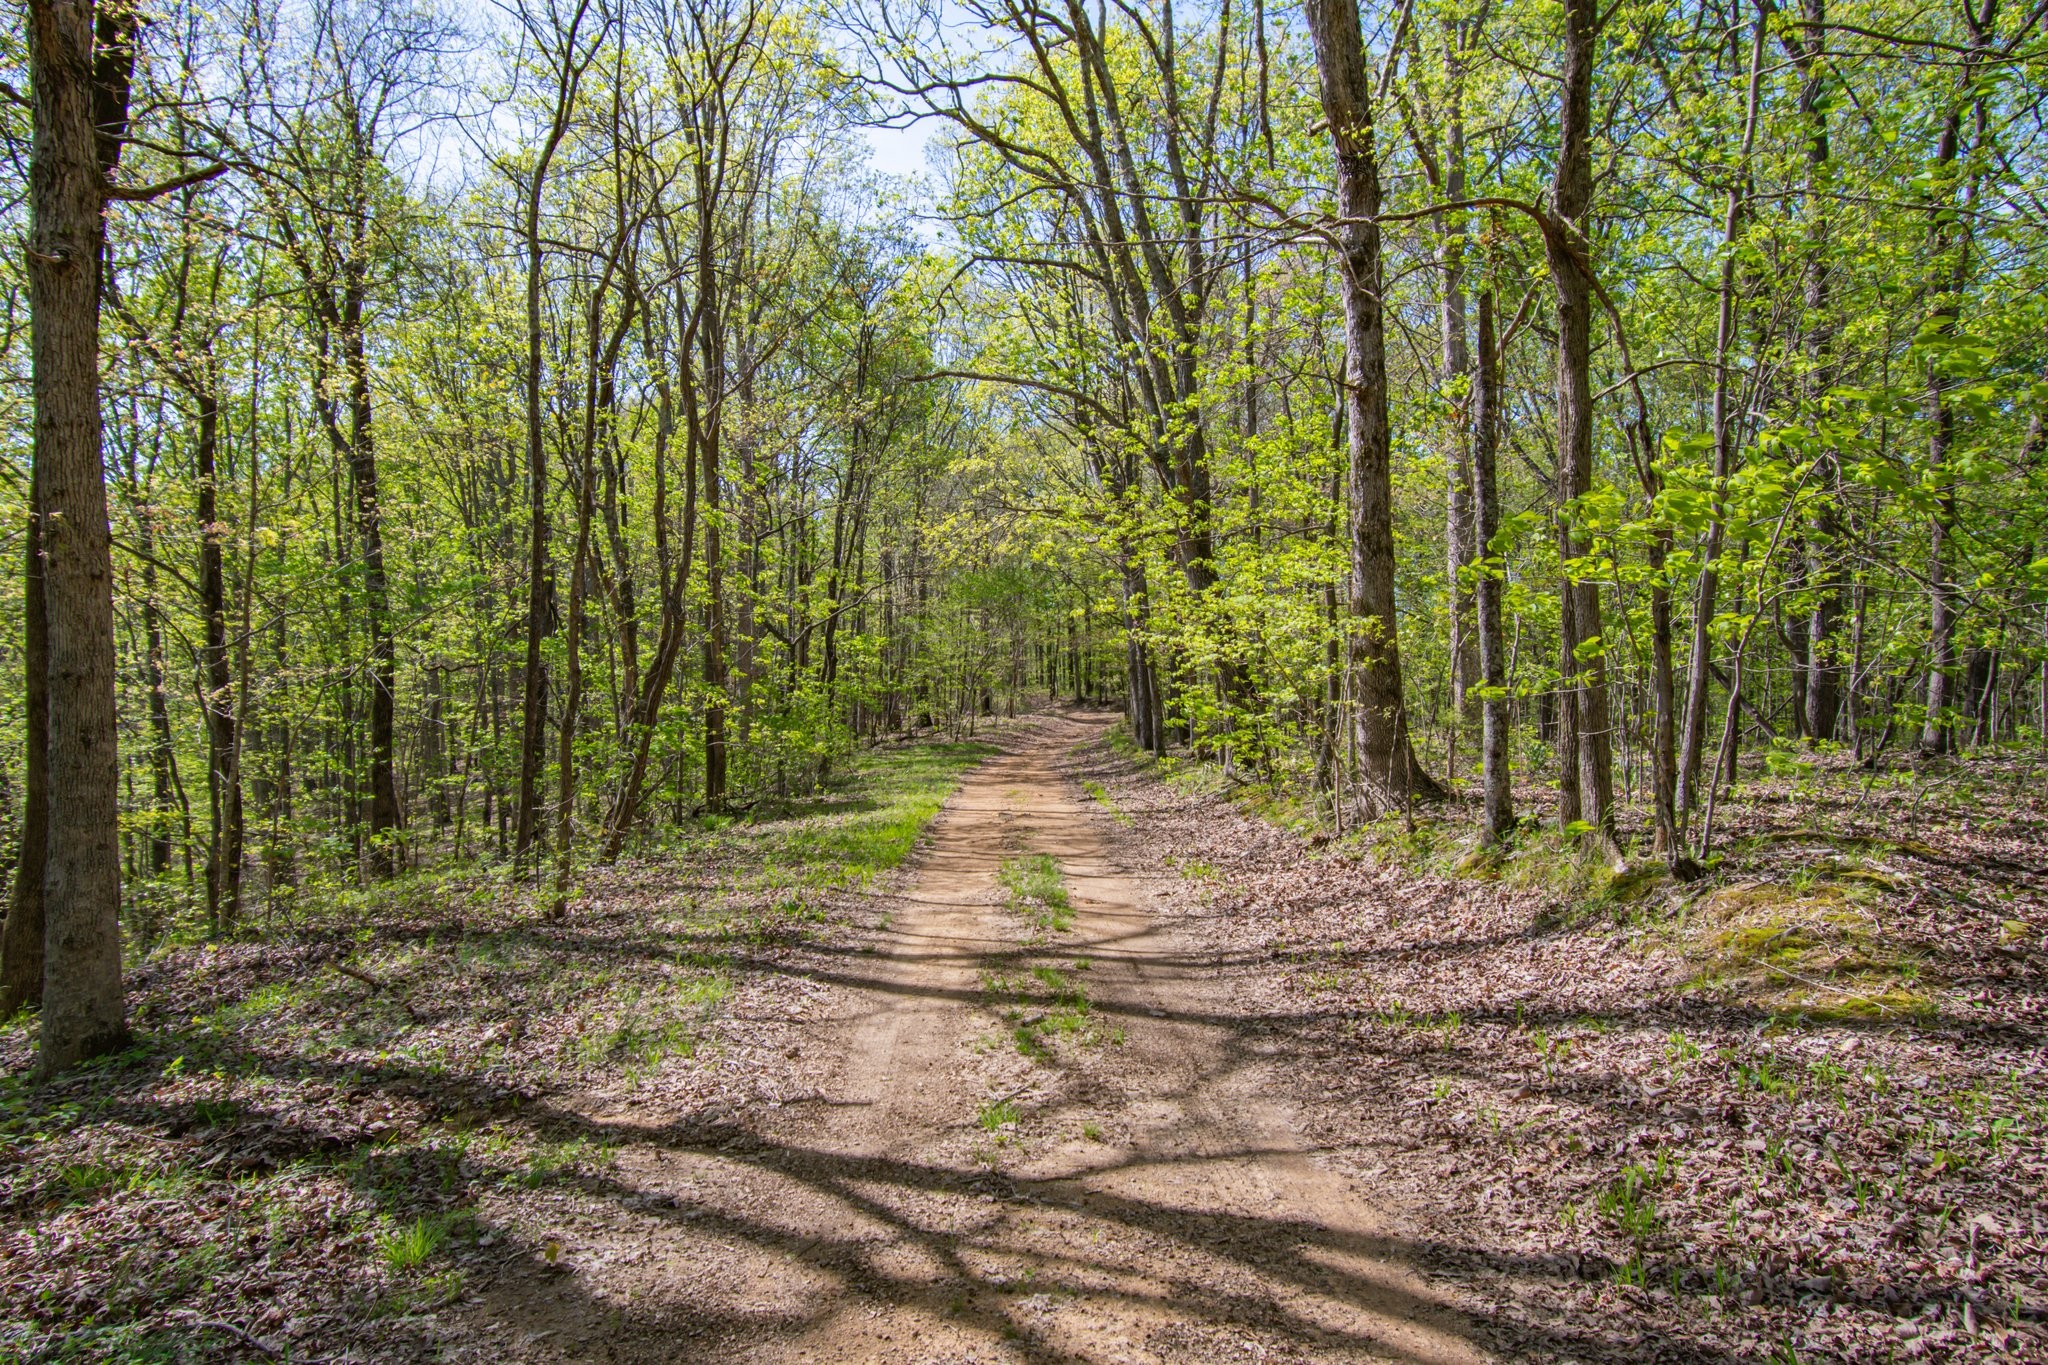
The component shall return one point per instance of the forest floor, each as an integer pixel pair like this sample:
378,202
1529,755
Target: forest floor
1114,1069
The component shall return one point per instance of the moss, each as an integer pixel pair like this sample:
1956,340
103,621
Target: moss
1772,941
1896,1003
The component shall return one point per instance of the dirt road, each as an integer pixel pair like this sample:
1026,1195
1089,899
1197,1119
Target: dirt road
1038,1145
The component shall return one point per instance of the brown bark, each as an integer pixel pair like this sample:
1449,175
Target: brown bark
1949,241
1571,201
674,575
571,64
1461,539
1699,670
384,814
1823,567
224,780
1487,588
1391,775
80,56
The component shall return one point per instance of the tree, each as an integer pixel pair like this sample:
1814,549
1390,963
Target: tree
82,56
1379,708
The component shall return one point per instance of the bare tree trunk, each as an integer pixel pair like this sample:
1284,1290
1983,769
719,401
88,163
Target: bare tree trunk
674,574
1699,669
1571,199
1950,243
1823,568
1461,540
224,780
716,645
1487,589
569,69
81,111
1390,771
385,818
598,398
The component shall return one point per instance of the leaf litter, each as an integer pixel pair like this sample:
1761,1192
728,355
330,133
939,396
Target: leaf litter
1794,1111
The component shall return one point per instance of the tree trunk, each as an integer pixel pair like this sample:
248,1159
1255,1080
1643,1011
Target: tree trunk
224,780
1487,588
1949,239
1391,775
81,107
533,715
1699,668
1568,248
1823,567
385,819
1461,540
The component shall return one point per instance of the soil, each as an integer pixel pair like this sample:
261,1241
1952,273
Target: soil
999,1139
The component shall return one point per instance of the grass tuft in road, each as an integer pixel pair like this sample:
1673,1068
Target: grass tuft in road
1038,891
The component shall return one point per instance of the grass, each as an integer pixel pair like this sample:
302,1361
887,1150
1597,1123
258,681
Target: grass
997,1114
1628,1204
1100,794
407,1248
1043,1006
1038,891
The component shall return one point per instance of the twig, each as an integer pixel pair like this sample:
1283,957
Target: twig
247,1338
377,984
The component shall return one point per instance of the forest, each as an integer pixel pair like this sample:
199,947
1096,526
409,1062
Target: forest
469,472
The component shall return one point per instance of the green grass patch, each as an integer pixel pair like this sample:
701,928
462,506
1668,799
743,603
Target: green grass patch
1038,891
997,1114
1044,1006
406,1248
1100,795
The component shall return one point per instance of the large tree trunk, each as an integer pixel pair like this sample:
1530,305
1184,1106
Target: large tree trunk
1390,773
716,643
599,395
1487,588
1949,240
1568,247
81,103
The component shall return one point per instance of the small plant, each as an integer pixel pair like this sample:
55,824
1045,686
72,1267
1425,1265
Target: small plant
1092,1131
412,1246
83,1179
1552,1051
996,1114
1627,1203
1762,1075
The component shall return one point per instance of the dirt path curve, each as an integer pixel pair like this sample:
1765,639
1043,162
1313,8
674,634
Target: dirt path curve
1150,1203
